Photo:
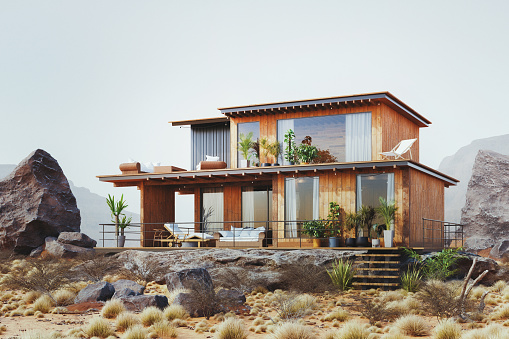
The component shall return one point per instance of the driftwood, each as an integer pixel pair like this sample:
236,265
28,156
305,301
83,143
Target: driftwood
481,303
467,288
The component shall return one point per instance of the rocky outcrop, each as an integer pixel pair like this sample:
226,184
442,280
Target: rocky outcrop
57,249
100,291
486,212
139,302
35,202
76,239
122,286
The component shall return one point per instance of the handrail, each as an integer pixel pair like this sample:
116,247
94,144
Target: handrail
441,234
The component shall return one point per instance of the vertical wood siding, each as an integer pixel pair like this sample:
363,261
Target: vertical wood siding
157,206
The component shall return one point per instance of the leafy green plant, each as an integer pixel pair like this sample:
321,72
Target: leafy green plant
275,150
366,216
411,279
387,210
438,266
290,149
264,147
306,153
353,222
314,228
245,144
341,274
118,217
334,224
377,231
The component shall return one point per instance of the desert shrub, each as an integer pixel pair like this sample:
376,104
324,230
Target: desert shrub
393,295
135,332
164,329
98,327
231,328
126,320
501,313
411,279
145,271
112,308
292,305
375,309
492,331
95,266
63,297
439,298
447,329
31,296
179,322
175,311
340,315
292,330
352,330
260,289
477,292
151,315
499,286
412,325
202,326
43,304
341,274
439,266
59,310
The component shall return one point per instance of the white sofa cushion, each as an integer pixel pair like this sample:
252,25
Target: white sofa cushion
211,158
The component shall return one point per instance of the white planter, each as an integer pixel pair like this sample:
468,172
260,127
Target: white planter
244,163
121,241
375,242
388,237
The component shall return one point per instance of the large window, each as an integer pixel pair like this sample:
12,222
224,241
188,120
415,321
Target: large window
212,209
256,206
246,128
301,203
370,187
339,138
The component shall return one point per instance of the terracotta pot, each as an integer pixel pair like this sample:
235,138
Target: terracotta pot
316,242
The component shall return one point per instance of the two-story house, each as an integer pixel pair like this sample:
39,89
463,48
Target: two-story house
349,133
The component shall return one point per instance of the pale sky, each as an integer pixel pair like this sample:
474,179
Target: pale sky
96,82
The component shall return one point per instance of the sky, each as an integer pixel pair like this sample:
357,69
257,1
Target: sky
95,83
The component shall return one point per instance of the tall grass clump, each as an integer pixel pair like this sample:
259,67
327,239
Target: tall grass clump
135,332
292,330
341,274
231,328
411,279
151,315
340,315
499,286
164,329
293,306
126,320
412,325
64,297
501,313
353,330
98,327
43,304
447,329
112,308
175,311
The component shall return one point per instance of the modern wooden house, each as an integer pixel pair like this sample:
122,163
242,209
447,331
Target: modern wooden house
349,132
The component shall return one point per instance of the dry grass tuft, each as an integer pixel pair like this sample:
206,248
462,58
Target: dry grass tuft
175,311
64,297
340,315
43,304
352,330
126,320
447,329
499,286
135,332
151,315
393,295
98,327
493,331
31,296
112,308
292,330
412,325
173,294
501,313
164,329
231,328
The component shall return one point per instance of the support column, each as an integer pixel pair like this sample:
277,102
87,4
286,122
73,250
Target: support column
157,207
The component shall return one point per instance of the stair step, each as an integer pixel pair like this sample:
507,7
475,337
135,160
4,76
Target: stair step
376,276
376,262
374,284
376,269
377,255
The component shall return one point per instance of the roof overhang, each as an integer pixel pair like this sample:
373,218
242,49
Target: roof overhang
259,173
204,121
333,102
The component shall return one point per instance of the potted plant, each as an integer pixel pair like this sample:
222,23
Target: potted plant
120,219
366,215
306,153
245,144
275,151
290,149
264,149
315,229
334,225
376,232
256,151
388,213
352,222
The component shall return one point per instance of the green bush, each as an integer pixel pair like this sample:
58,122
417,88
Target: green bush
341,274
411,279
439,266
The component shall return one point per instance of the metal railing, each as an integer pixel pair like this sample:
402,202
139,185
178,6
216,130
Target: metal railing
439,234
277,233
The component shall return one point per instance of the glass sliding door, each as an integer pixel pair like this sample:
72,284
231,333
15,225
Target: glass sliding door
256,206
370,187
301,203
212,209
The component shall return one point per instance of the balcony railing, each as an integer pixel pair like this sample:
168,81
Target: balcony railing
438,234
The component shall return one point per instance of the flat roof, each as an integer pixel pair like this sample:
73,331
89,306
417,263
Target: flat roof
339,101
234,173
203,121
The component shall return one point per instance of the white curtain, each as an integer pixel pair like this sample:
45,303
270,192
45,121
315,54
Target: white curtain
248,207
291,208
359,192
213,209
358,137
316,198
390,191
283,125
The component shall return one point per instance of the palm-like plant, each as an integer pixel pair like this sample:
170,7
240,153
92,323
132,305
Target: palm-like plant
116,209
245,144
387,211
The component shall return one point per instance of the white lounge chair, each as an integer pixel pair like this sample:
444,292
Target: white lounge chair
187,234
400,149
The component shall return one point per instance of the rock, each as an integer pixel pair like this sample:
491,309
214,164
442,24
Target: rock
486,211
100,291
139,302
124,284
478,243
196,279
230,299
495,271
59,250
501,249
198,304
76,239
125,292
36,252
35,202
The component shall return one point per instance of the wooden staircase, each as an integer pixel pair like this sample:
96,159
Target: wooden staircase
378,268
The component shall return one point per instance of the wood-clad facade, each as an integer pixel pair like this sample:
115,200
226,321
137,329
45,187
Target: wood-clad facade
418,190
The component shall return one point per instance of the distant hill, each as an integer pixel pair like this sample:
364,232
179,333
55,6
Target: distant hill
460,165
93,208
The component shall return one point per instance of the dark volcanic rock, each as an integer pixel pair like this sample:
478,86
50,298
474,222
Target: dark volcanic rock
76,239
196,279
486,212
35,202
123,284
230,298
139,302
197,304
100,291
58,250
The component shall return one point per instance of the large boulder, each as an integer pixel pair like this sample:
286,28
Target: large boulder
127,287
76,239
139,302
196,279
100,291
35,202
486,212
